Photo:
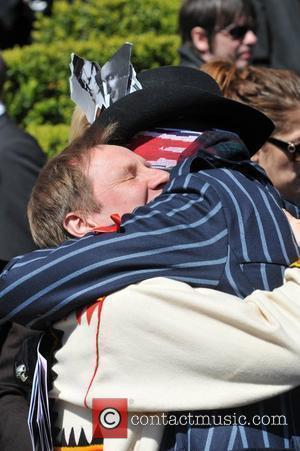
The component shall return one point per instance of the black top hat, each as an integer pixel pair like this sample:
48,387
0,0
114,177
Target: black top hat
186,98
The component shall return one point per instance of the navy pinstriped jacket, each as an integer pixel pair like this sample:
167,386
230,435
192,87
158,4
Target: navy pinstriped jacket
217,224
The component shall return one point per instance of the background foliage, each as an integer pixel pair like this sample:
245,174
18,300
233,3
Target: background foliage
37,92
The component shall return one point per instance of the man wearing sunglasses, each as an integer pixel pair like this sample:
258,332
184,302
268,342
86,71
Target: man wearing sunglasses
214,29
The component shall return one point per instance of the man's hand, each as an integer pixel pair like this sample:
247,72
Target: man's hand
295,225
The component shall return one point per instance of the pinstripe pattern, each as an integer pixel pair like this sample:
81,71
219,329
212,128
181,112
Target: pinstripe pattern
255,207
237,437
220,208
210,227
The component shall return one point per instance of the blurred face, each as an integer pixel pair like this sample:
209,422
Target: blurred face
282,167
234,43
122,181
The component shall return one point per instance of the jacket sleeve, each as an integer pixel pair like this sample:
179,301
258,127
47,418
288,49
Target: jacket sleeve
169,237
14,407
181,340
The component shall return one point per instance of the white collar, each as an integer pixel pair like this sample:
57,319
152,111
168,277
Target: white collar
2,109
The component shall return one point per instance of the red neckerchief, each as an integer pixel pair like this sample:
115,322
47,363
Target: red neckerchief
111,228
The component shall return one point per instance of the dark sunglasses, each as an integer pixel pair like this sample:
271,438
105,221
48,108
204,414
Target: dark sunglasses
289,147
238,31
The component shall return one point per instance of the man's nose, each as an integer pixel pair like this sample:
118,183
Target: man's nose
157,179
250,38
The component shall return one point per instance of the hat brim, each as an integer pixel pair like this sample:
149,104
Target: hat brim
186,107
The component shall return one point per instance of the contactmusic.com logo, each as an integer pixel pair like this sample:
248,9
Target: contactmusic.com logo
110,417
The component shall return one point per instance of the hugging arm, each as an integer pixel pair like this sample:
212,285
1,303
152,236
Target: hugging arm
229,352
168,237
295,225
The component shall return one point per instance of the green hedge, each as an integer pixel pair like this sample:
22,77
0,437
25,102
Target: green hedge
87,20
52,138
38,87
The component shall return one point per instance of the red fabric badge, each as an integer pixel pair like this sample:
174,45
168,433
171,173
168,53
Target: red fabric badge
162,147
111,228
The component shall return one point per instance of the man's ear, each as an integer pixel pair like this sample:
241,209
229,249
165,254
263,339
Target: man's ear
78,224
199,39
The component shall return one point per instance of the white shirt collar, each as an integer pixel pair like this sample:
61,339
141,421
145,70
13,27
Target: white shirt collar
2,109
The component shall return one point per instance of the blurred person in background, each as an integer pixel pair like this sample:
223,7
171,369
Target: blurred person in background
214,29
16,20
20,162
275,92
278,34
